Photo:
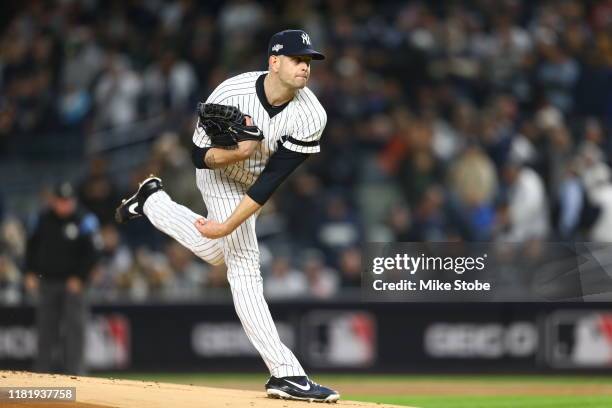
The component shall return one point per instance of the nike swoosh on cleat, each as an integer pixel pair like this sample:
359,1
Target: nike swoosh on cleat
301,387
132,209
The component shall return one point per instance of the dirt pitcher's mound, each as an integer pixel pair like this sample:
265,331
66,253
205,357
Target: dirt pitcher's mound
103,393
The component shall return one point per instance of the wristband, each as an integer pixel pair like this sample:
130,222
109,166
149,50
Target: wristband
197,156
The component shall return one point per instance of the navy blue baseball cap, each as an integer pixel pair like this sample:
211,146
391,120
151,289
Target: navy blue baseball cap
292,42
64,189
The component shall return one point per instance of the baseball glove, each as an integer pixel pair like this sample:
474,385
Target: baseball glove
226,125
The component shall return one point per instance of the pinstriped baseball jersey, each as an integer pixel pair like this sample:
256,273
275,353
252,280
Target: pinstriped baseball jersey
298,124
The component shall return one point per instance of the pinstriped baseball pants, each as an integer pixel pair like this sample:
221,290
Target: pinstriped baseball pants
239,251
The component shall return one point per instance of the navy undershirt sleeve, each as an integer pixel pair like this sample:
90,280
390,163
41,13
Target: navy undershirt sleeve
279,167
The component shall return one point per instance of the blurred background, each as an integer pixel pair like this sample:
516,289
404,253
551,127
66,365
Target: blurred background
448,121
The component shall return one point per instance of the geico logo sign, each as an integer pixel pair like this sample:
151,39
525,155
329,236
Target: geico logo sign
229,339
17,342
471,340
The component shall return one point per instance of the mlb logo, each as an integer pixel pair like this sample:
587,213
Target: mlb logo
108,342
339,339
579,339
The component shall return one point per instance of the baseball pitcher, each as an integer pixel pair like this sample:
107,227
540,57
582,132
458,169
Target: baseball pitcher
252,132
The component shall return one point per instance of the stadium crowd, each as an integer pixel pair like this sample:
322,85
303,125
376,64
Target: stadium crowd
460,120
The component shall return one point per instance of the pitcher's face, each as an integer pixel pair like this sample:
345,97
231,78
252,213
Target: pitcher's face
294,71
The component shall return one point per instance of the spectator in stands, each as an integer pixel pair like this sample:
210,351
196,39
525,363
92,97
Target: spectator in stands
116,262
350,267
132,282
527,206
98,192
116,93
13,236
571,203
10,279
558,73
418,172
284,282
169,84
598,184
84,58
430,222
473,182
400,224
153,269
189,274
339,226
323,281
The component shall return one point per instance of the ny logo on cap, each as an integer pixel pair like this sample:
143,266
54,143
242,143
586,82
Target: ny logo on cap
305,39
277,47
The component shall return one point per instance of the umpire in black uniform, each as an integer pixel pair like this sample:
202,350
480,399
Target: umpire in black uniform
61,253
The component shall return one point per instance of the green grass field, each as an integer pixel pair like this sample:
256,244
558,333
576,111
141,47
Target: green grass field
431,391
491,401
